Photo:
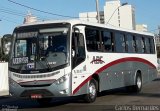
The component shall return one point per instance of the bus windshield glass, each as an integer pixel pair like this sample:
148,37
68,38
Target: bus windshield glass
42,50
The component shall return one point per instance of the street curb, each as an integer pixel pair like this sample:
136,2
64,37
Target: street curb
4,97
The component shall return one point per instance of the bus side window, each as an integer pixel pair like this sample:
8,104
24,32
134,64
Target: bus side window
152,45
107,39
143,45
139,44
129,39
147,45
120,42
81,46
92,39
134,44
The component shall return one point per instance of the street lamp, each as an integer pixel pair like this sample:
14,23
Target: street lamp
97,8
123,4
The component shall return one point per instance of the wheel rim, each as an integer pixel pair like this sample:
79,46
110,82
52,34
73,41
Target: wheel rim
92,90
139,82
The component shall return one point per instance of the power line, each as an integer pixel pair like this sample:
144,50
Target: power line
40,10
17,13
21,13
8,20
11,9
10,12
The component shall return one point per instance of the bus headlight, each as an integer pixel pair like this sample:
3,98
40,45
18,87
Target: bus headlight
62,79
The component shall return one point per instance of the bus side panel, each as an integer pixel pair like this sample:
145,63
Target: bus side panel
152,74
119,75
83,90
148,73
124,74
114,71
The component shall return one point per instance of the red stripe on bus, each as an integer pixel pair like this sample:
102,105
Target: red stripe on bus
128,59
82,84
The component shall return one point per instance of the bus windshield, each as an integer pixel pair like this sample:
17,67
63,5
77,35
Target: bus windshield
43,50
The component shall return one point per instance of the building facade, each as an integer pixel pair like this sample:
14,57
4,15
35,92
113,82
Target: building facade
92,17
29,18
142,27
114,14
119,15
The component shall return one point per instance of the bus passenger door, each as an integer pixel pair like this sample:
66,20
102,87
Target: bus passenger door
78,49
78,60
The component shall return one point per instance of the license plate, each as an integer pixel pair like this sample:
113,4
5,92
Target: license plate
36,96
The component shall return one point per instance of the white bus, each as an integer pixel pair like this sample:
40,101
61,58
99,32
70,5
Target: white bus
73,57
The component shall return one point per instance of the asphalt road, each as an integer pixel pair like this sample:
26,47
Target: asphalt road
114,100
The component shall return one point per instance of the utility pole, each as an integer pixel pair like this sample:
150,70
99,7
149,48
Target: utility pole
159,31
97,8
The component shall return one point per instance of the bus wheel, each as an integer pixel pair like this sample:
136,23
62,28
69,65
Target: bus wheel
138,85
44,101
92,94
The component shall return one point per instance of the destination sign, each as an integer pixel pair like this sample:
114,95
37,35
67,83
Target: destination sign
20,60
27,34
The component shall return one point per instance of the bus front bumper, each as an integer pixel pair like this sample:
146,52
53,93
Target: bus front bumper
53,90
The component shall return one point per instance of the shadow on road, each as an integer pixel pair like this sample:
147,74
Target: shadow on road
29,104
158,79
124,92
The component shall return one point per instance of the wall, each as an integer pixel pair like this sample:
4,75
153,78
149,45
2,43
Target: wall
4,85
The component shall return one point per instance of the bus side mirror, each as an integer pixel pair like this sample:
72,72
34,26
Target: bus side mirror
73,53
6,43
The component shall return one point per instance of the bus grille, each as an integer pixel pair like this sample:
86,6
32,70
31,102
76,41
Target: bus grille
33,76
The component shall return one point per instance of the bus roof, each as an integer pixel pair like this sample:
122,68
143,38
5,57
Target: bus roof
77,21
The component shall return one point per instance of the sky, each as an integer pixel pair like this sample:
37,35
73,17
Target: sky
12,15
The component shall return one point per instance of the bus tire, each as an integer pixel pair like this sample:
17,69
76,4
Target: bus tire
138,85
92,88
44,101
